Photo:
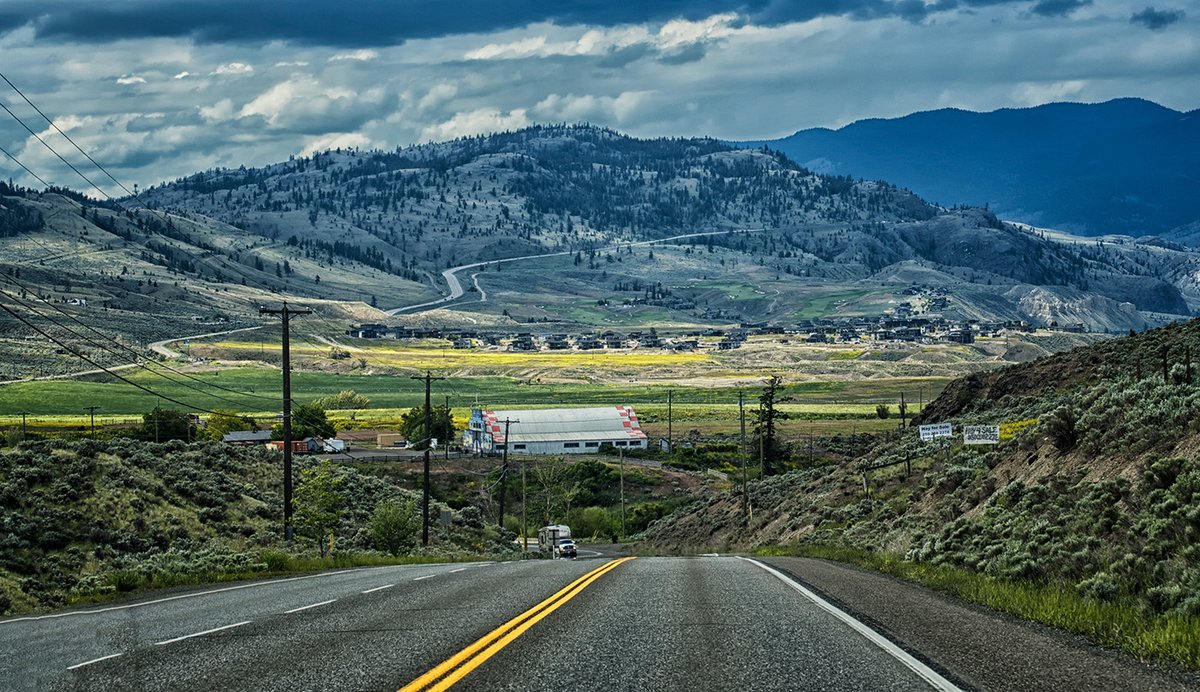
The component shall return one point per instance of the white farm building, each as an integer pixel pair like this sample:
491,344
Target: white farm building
554,431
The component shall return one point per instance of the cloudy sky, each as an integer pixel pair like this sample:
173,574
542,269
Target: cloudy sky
155,90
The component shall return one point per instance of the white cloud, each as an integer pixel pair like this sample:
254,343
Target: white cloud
439,94
476,122
221,110
670,36
1032,94
344,140
572,108
681,32
130,79
182,75
363,55
292,63
234,68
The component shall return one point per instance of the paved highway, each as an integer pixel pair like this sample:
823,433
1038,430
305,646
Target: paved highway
707,623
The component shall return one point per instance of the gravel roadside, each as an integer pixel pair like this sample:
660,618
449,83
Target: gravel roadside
975,646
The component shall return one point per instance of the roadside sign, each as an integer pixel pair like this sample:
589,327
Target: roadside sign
981,434
932,432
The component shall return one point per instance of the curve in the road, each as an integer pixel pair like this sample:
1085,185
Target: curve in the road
456,289
160,347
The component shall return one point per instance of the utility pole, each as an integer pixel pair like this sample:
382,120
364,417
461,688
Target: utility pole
670,421
742,447
285,313
91,410
429,378
23,430
762,456
622,450
446,446
524,524
504,470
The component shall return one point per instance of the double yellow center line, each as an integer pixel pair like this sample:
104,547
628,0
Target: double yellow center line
457,666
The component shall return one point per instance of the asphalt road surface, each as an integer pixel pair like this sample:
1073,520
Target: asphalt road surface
705,623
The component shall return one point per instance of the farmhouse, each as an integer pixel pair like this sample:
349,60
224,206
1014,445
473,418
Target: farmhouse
554,431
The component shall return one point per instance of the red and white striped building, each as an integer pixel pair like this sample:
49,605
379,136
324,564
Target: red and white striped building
554,431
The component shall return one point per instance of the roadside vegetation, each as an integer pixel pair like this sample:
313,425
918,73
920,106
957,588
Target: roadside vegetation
1086,518
82,520
1122,624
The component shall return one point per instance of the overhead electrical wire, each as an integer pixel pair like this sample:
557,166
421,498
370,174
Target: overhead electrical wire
105,369
60,156
18,162
68,315
68,138
106,349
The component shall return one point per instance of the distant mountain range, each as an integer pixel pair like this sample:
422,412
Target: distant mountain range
352,227
1127,166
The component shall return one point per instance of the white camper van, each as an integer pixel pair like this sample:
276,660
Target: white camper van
551,537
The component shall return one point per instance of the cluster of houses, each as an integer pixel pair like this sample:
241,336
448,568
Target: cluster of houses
901,326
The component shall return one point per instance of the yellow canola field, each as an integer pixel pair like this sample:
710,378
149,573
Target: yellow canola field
427,358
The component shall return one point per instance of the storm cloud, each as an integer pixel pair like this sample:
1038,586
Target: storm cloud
387,22
1156,20
160,90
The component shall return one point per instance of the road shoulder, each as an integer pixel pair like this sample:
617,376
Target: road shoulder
977,646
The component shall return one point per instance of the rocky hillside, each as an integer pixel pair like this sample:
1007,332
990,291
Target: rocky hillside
1098,486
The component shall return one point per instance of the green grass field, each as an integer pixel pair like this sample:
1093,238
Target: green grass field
822,407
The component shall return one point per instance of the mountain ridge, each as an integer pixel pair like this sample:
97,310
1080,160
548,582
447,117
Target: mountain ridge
346,229
1121,166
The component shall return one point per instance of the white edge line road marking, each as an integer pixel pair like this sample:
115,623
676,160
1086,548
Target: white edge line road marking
427,576
312,605
928,674
201,634
379,588
94,660
176,598
456,571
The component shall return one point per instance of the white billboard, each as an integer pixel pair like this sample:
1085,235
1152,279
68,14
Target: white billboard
932,432
981,434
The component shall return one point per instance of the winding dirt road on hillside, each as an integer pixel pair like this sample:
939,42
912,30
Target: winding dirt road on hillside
457,291
160,347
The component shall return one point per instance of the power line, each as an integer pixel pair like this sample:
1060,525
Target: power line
18,162
68,138
60,157
52,150
145,366
103,347
101,367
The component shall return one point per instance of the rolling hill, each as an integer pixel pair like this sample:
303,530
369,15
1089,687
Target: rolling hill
350,231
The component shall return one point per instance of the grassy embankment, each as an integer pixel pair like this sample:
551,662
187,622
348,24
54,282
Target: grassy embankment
1122,624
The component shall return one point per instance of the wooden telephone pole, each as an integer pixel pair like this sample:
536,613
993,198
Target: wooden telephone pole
504,472
429,378
286,312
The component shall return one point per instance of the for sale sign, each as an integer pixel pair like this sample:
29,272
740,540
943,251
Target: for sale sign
932,432
981,434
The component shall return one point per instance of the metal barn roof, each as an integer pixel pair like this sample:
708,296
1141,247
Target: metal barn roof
601,423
